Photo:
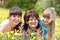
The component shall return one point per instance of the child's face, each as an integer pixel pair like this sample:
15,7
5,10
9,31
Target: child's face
32,22
46,19
15,19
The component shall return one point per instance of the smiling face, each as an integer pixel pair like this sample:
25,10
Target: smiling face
15,19
32,22
46,18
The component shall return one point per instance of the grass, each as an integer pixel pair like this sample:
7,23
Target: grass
3,14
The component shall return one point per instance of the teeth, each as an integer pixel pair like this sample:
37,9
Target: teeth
32,25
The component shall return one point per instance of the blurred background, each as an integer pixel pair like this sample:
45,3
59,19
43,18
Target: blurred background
38,5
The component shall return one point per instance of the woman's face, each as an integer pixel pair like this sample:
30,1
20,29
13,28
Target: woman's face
15,19
32,22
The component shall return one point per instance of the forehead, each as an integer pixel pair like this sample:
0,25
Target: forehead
32,17
47,13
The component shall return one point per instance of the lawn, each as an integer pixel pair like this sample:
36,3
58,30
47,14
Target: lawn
4,14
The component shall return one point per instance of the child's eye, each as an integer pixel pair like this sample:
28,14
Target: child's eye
48,17
14,15
19,16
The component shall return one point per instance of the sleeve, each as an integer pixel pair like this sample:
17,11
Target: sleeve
40,22
44,28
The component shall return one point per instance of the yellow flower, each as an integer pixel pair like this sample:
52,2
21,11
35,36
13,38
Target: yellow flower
12,31
32,33
34,38
7,33
1,34
17,34
13,37
9,36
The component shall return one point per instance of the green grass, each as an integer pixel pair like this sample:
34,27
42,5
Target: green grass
3,14
58,21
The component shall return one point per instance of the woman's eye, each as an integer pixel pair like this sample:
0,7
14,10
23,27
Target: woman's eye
19,16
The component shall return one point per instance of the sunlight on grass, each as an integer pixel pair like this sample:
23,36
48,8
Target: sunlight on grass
58,21
3,14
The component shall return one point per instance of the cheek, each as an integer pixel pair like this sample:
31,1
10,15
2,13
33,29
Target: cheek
11,18
36,21
29,23
19,19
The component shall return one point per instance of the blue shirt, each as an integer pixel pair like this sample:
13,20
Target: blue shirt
44,28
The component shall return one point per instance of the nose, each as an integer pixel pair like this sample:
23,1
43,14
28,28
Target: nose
16,18
33,20
45,19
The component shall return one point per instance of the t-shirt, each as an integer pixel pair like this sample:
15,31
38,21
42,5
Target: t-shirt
27,34
44,28
3,24
6,25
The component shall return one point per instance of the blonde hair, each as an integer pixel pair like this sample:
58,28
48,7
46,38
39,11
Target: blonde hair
52,12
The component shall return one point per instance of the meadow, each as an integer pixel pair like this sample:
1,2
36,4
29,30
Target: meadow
5,12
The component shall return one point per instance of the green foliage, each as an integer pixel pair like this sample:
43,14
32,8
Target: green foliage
3,14
24,4
57,5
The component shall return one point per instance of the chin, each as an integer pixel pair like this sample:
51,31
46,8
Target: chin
15,23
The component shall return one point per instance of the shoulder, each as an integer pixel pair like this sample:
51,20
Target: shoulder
3,24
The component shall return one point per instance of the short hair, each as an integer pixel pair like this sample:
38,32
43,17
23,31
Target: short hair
15,10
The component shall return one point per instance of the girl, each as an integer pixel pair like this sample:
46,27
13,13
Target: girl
48,23
12,22
31,24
